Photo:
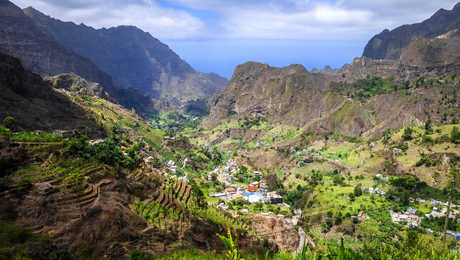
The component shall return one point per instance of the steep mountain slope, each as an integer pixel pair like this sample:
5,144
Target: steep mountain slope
99,198
39,52
133,58
21,38
442,50
363,98
389,44
35,104
316,102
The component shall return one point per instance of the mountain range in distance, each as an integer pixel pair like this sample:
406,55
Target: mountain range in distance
113,147
119,58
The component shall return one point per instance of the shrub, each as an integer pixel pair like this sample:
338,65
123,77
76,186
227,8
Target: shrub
455,135
402,146
442,139
407,135
408,182
427,139
231,245
358,190
5,131
10,123
428,127
338,180
138,254
427,161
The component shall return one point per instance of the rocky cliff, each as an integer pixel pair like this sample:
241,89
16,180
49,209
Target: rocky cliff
362,98
41,53
389,44
443,50
34,103
21,38
133,58
352,103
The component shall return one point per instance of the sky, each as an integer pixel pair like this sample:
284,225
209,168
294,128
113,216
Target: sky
217,35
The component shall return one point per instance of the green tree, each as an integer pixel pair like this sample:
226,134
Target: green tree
455,135
10,123
386,136
407,135
358,190
412,239
428,127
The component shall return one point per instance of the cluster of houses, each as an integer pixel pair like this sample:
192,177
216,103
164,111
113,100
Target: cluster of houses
253,193
439,211
408,217
376,191
225,174
434,203
172,167
442,212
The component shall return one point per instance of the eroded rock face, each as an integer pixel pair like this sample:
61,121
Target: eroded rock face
295,97
390,44
22,38
74,83
34,103
278,230
319,101
443,50
281,94
133,58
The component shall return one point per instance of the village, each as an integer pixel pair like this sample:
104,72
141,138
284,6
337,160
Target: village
254,192
257,191
439,210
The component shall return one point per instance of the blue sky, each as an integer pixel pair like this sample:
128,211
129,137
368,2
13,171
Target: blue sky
217,35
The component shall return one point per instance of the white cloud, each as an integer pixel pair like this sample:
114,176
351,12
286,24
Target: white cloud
163,23
320,22
334,15
246,19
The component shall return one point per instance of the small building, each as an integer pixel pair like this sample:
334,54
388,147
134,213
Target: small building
253,187
230,190
253,197
218,195
236,196
411,211
402,217
263,185
274,198
183,178
397,151
222,206
257,174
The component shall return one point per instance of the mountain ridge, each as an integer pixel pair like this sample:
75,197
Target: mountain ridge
389,44
21,38
133,58
316,102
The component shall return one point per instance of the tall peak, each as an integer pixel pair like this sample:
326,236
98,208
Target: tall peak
8,9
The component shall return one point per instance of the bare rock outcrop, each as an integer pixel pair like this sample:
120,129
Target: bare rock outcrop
278,230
